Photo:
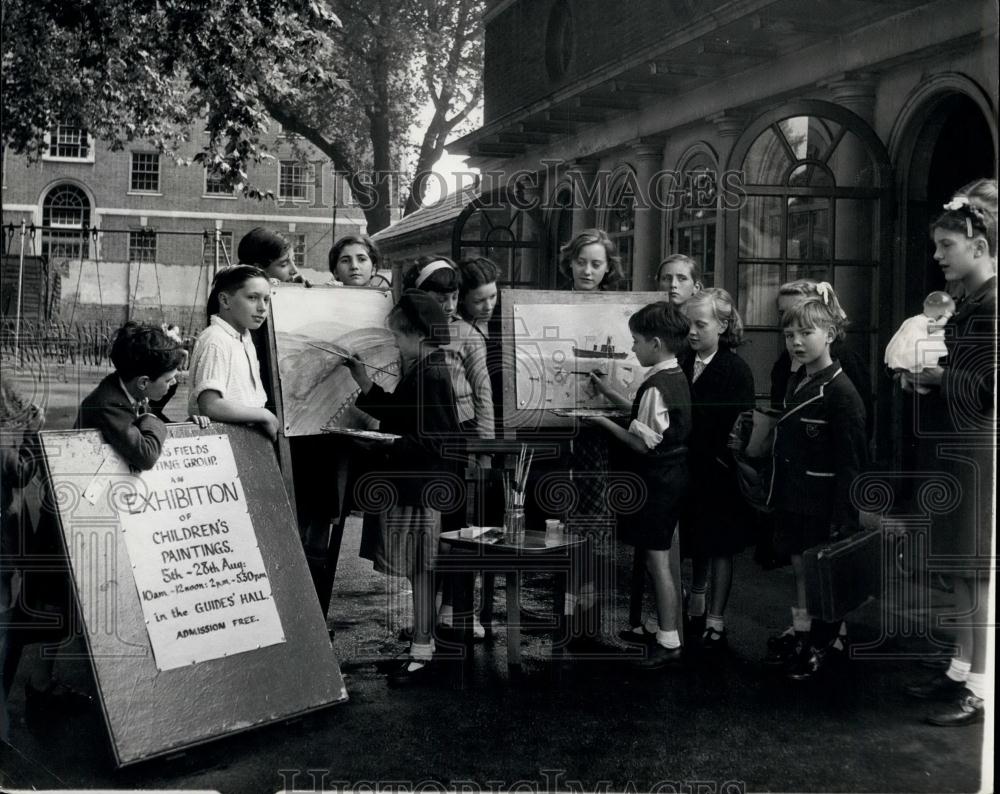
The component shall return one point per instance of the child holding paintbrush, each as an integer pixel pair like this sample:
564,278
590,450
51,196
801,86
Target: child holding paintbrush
422,411
656,440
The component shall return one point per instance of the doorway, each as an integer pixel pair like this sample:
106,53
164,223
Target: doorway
951,144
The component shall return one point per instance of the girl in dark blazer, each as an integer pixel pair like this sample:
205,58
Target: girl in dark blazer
421,410
963,397
819,448
716,520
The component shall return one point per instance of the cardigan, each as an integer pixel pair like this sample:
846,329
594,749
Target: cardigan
422,411
470,378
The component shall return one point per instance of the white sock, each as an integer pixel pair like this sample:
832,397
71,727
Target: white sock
650,626
696,603
668,639
958,670
446,615
978,684
715,622
801,621
421,652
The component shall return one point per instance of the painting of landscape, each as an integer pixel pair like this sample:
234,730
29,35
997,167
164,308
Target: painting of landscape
314,328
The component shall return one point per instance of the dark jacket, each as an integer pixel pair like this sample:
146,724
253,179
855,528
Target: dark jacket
855,369
422,411
716,517
137,437
819,447
723,390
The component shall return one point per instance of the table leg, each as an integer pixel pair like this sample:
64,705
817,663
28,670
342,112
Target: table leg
560,586
513,622
486,613
463,595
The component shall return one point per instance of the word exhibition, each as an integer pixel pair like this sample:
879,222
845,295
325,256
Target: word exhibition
202,585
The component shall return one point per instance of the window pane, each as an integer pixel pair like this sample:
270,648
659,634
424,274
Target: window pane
294,179
856,291
808,227
758,290
68,141
767,161
812,272
142,246
810,175
298,242
225,249
145,172
857,230
808,136
214,187
851,163
760,227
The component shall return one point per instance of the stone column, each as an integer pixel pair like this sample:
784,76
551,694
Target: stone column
648,155
585,198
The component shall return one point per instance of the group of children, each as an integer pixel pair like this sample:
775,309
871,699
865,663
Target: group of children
677,437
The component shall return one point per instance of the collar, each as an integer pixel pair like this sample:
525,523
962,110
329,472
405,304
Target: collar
667,363
708,360
220,323
988,286
132,401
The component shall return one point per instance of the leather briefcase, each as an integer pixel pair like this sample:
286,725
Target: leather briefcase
842,575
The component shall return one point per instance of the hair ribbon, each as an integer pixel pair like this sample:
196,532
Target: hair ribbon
428,269
823,289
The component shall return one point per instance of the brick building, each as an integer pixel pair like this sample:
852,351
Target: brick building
163,227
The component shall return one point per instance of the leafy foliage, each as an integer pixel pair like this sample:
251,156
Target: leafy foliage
349,76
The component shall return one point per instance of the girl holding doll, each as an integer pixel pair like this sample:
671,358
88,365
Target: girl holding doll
716,520
962,388
819,447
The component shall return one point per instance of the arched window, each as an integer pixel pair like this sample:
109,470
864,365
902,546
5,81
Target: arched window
500,226
816,182
696,219
66,217
619,220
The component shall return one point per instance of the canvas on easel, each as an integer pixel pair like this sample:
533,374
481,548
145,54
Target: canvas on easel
553,339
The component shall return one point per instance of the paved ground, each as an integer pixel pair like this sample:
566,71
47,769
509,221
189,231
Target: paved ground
727,724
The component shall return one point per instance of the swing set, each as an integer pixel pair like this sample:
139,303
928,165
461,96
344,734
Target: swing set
35,331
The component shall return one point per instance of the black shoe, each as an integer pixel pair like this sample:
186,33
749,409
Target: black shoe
806,663
694,625
714,640
940,687
632,637
660,658
966,709
780,648
56,697
404,676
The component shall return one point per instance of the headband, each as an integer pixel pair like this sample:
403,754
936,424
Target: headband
962,204
426,270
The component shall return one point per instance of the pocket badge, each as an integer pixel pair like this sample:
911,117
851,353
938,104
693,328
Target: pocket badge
812,431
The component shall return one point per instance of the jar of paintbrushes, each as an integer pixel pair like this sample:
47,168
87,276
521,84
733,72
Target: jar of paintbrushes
515,486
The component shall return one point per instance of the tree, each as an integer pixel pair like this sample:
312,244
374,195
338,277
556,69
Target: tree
398,56
156,70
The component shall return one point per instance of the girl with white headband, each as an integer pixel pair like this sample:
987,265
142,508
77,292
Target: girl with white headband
466,358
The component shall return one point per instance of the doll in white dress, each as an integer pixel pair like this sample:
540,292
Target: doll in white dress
919,342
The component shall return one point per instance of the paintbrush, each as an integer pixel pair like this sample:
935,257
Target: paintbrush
344,354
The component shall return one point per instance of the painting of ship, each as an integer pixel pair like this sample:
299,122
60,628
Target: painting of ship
606,350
